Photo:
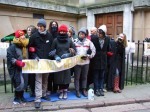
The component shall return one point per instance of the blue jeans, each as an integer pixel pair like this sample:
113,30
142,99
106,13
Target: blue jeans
99,79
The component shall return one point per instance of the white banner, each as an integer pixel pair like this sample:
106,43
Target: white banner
49,66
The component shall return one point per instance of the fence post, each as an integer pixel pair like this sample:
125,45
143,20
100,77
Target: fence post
127,67
142,62
146,67
4,75
137,68
132,65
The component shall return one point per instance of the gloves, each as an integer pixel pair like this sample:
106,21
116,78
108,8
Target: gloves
89,52
9,38
65,55
58,59
52,53
31,49
72,51
19,63
37,58
84,57
110,54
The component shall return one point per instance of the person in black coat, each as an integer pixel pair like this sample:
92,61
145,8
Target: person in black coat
121,44
90,75
41,41
31,77
62,44
111,68
53,29
16,52
99,61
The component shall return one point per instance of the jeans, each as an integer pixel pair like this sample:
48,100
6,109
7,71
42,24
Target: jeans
99,79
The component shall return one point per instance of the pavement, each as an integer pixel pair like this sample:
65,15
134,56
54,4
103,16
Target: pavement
131,96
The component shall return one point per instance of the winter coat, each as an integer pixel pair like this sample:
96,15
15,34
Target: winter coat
62,47
120,63
100,59
111,65
42,45
15,72
117,61
82,48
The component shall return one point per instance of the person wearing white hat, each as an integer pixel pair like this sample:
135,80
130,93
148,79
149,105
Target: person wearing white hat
99,61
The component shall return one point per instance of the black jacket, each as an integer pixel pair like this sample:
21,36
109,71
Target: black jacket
18,79
42,45
100,59
62,45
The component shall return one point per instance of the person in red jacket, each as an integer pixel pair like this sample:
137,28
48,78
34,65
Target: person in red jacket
15,53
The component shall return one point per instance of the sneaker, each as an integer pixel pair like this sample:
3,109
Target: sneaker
16,101
104,90
65,96
101,92
61,95
97,93
46,98
37,104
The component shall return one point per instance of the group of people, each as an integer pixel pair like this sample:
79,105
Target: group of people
104,60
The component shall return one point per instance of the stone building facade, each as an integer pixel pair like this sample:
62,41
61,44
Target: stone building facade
135,15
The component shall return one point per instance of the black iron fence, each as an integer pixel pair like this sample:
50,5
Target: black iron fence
137,68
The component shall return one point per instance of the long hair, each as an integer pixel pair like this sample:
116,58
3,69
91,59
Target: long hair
50,25
124,40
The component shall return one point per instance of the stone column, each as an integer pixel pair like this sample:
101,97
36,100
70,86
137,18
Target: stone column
128,21
90,19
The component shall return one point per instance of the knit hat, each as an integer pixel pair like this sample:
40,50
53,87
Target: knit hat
83,30
63,28
42,22
71,28
103,27
19,33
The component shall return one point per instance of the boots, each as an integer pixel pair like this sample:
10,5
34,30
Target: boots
116,85
84,93
65,94
61,94
17,98
78,94
22,97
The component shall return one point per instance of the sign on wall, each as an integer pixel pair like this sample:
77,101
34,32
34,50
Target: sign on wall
147,48
3,49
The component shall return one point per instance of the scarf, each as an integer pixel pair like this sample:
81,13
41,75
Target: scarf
23,43
62,37
42,33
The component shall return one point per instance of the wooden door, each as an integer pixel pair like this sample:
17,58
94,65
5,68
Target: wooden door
113,21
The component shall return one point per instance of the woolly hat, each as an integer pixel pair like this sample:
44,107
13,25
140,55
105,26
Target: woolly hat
19,33
42,22
63,28
103,27
71,28
83,30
